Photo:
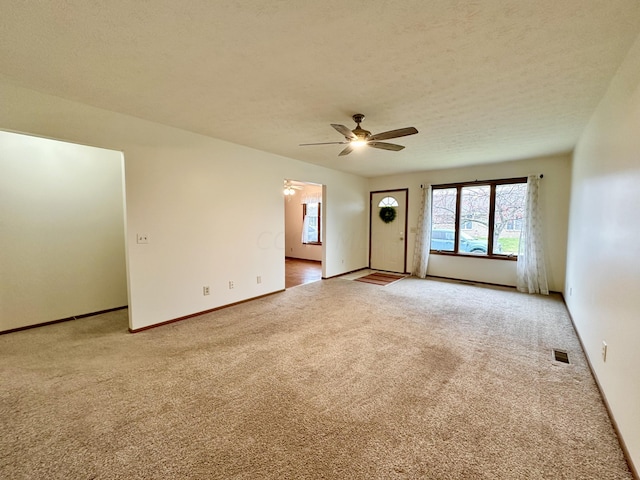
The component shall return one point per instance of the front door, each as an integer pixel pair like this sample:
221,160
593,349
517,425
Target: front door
388,235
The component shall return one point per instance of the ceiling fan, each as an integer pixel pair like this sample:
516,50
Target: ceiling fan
360,137
290,188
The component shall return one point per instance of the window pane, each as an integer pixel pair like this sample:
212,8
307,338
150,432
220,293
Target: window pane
311,233
443,219
474,213
510,202
388,202
312,209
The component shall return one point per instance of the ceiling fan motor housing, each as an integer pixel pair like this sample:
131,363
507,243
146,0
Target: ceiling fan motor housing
361,133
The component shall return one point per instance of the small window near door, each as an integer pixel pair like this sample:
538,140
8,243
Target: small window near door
311,223
388,202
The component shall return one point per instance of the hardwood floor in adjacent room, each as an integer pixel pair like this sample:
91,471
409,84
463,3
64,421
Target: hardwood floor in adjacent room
299,272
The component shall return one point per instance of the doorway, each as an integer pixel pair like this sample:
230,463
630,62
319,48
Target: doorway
63,236
388,230
304,232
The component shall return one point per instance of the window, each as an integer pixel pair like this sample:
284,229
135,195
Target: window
510,208
443,219
474,210
388,202
478,218
311,223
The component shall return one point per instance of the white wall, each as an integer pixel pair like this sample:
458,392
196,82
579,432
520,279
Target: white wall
294,247
554,192
182,190
603,265
62,243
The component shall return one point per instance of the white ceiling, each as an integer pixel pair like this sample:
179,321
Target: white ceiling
482,80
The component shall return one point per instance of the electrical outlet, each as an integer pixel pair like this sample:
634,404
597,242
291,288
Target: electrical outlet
604,351
142,238
258,279
205,290
231,284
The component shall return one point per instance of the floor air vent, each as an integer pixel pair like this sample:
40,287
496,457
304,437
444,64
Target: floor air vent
560,356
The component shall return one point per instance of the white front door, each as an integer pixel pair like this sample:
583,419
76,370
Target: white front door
388,239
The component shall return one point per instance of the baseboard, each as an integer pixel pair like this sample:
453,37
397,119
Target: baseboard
197,314
346,273
621,441
60,320
303,259
471,282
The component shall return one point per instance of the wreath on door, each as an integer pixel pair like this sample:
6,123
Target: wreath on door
388,214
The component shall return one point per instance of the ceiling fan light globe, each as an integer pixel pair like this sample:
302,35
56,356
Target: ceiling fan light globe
358,143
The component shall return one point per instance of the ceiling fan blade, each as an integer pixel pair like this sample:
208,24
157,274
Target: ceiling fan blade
323,143
346,151
344,131
401,132
385,146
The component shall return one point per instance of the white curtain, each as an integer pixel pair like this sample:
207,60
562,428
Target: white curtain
305,229
423,238
531,271
311,197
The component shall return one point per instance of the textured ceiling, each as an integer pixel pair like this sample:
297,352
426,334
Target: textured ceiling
483,81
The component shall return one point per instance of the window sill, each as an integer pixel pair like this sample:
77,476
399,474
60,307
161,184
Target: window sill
313,243
511,258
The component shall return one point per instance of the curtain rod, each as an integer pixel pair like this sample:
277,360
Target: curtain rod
422,185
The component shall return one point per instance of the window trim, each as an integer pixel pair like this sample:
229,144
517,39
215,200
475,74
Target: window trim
304,214
492,216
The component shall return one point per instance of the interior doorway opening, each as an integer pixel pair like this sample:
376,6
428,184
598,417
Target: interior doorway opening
304,232
63,241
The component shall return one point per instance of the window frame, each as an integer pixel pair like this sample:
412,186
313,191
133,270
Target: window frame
304,214
492,217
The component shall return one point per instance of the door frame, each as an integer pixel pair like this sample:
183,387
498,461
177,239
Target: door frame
406,219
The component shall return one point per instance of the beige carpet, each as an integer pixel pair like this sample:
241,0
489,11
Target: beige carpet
334,379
